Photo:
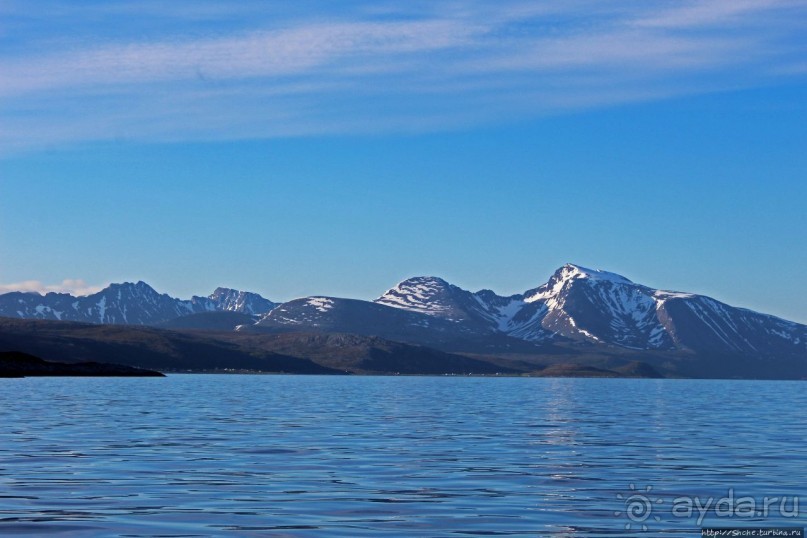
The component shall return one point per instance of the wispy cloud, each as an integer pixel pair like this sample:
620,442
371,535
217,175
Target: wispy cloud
257,54
73,286
375,66
705,13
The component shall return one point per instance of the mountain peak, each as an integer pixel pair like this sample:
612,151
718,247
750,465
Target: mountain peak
424,281
565,276
221,292
139,286
426,294
246,302
572,271
422,287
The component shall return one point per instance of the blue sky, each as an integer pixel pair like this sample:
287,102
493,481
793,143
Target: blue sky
314,148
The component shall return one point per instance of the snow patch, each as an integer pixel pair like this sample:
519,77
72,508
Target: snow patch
782,334
101,309
663,295
322,304
580,329
506,313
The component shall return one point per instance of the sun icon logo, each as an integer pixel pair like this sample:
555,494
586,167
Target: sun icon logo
638,507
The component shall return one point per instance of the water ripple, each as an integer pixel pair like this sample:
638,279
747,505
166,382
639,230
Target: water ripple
205,455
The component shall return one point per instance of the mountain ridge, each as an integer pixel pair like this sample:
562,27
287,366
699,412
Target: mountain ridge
576,308
576,304
127,303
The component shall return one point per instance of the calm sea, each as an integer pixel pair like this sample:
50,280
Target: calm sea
207,455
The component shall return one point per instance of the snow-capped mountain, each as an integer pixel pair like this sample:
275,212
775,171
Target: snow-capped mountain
576,304
332,314
596,306
430,295
482,311
245,302
127,304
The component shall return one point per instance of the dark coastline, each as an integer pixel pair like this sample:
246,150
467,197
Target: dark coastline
19,365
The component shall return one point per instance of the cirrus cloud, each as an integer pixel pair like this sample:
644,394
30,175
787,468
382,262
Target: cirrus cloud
372,66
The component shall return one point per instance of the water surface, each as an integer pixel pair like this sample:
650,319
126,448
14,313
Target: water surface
206,455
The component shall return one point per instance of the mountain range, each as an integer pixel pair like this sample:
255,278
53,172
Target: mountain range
577,313
575,306
128,304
